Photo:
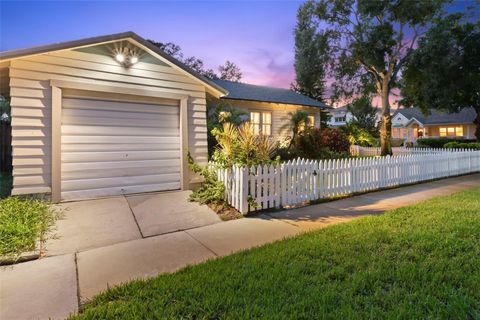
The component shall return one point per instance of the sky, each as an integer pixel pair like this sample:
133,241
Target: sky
256,35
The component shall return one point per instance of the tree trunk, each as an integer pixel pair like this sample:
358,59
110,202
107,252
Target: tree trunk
386,123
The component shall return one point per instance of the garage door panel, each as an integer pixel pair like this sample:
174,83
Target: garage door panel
99,105
121,122
119,139
111,148
73,113
118,172
120,147
166,130
85,184
119,156
83,166
106,192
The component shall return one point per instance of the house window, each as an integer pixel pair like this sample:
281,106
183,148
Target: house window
341,119
267,123
459,131
451,131
255,121
261,122
310,123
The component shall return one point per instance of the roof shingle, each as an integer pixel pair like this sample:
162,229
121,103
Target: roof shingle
243,91
465,115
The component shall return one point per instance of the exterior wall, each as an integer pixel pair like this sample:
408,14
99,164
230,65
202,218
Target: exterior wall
468,130
399,120
279,111
339,113
31,101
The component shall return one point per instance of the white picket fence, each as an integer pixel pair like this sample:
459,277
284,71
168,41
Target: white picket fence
300,181
397,151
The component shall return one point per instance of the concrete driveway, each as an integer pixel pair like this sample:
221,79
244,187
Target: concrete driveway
92,224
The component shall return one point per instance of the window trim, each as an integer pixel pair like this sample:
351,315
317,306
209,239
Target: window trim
261,122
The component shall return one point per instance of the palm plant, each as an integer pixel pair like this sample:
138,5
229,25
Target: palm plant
297,119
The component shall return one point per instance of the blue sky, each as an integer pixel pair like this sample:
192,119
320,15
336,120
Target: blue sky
257,35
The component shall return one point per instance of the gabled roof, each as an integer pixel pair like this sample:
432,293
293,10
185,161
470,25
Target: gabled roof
465,115
250,92
13,54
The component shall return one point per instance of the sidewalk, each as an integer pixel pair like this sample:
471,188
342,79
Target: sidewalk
54,286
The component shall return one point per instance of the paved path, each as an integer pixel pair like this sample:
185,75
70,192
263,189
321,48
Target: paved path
54,286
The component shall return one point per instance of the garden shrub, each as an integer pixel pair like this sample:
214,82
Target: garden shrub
241,146
211,191
24,224
358,136
438,142
334,140
317,144
462,145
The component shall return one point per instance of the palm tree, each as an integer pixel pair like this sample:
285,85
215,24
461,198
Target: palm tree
297,119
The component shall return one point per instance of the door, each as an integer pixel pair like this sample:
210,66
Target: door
115,147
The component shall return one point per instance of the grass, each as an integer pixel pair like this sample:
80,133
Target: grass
5,184
24,224
416,262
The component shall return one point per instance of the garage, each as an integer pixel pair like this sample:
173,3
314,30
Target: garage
118,147
104,116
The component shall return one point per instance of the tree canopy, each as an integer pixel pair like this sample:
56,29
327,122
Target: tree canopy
364,114
368,44
228,71
444,71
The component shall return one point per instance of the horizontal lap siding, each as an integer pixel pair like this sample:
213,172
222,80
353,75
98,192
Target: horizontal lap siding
280,115
31,106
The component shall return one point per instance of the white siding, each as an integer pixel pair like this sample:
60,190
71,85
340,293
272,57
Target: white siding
280,114
31,105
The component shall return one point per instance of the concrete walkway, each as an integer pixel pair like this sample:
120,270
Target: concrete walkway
54,286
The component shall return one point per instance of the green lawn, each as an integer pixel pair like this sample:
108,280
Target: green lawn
24,225
417,262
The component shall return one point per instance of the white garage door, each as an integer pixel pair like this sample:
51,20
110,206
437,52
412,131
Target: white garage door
113,148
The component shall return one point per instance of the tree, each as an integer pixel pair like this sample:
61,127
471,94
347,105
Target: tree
369,42
310,55
364,114
444,72
227,71
230,71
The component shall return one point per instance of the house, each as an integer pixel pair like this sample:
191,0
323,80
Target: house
339,117
268,108
114,115
410,124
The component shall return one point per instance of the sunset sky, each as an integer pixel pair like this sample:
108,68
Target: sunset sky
257,35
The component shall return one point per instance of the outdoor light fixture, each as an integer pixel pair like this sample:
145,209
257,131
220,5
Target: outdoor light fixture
120,57
126,56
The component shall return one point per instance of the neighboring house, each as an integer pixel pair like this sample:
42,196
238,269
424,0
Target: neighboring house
410,124
268,108
339,117
114,115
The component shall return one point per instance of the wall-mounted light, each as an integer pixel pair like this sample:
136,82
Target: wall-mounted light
120,57
126,56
